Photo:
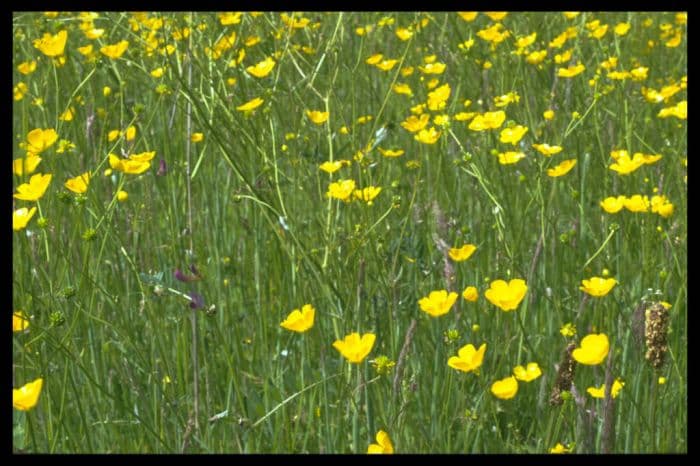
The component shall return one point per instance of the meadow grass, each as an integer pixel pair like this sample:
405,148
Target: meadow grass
245,217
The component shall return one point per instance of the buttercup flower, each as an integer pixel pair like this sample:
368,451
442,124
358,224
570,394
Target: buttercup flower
21,217
341,189
437,303
383,445
612,204
513,134
571,71
391,152
250,105
355,349
597,286
468,358
600,391
33,190
561,169
52,45
559,448
489,120
262,69
26,397
547,150
79,184
300,321
470,294
510,157
507,296
317,116
463,253
38,140
115,51
505,389
367,194
594,348
19,320
527,374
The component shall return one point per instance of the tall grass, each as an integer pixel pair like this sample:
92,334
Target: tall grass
129,366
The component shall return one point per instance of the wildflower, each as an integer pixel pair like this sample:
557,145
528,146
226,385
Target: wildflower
317,116
662,380
391,152
122,196
38,140
612,204
597,286
386,65
19,91
536,57
506,296
35,189
428,136
332,167
559,448
26,397
382,364
496,15
437,99
262,69
568,329
367,194
510,157
547,150
383,445
593,350
402,88
130,166
250,105
414,124
470,294
463,253
341,189
437,303
637,203
565,376
489,120
494,34
600,391
679,111
26,165
624,165
468,16
353,348
52,45
513,134
179,275
115,51
571,71
21,217
655,332
468,358
548,114
158,72
27,67
504,100
20,322
505,389
300,321
197,137
432,68
527,374
525,41
79,184
561,169
660,205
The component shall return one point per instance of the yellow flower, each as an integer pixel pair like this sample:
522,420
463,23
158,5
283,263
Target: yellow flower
622,28
21,217
432,68
525,41
386,65
332,167
679,110
427,136
468,358
197,137
26,397
470,294
612,204
33,190
250,105
600,391
341,189
355,349
437,303
383,445
510,157
401,88
513,134
468,16
437,99
300,321
19,90
128,166
374,59
559,449
527,374
122,196
414,123
20,321
561,169
505,389
262,69
637,203
571,71
391,152
506,296
79,184
563,57
568,330
367,194
506,99
143,156
463,253
536,57
403,33
624,165
38,140
228,18
547,150
115,51
25,166
594,348
27,67
496,15
317,116
597,286
489,120
660,205
52,45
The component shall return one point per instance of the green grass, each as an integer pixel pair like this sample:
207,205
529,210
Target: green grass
128,366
